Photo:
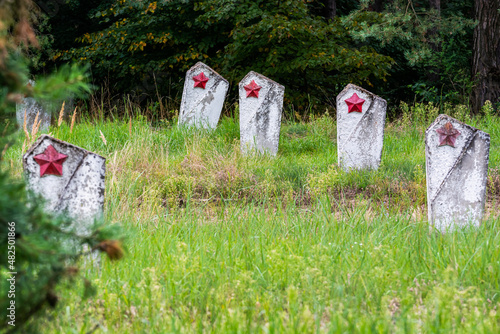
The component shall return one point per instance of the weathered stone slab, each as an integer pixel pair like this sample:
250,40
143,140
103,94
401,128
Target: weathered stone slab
360,128
69,178
29,108
203,97
456,157
261,105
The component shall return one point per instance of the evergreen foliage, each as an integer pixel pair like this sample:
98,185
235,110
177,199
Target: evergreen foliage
280,39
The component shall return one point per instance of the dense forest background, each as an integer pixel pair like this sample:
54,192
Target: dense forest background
441,51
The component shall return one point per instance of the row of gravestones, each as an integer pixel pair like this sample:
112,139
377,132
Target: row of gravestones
71,179
260,103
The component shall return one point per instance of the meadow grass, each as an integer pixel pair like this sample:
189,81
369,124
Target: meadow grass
220,242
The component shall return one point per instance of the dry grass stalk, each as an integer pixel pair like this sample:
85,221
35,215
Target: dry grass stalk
72,121
158,96
130,126
103,138
61,114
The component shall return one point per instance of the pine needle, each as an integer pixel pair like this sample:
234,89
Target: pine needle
37,128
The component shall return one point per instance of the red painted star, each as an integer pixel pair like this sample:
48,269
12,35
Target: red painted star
252,89
200,80
50,161
354,103
448,135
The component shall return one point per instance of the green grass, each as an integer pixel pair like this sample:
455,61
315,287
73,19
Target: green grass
219,242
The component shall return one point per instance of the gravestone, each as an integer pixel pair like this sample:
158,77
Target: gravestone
360,128
261,104
29,108
69,178
203,97
456,157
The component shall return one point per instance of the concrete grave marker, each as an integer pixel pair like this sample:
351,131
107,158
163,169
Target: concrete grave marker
203,97
29,107
456,157
69,178
360,128
261,104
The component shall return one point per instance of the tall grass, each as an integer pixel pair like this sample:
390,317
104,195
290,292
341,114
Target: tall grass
221,242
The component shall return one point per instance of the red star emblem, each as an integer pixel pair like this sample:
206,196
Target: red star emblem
50,161
200,80
447,135
354,103
252,89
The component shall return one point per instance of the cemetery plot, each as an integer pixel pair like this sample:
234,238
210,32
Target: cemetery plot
30,109
457,170
203,97
69,178
261,105
360,128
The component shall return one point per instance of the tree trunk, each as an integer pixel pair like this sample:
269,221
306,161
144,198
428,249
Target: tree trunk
330,9
486,54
